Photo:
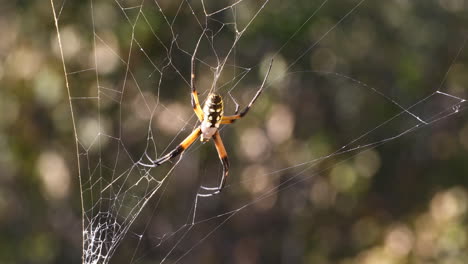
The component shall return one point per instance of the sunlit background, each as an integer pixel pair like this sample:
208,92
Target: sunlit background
402,200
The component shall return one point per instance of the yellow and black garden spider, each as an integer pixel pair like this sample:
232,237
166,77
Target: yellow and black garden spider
211,117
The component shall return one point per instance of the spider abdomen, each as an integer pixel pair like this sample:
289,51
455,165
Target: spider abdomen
212,115
213,110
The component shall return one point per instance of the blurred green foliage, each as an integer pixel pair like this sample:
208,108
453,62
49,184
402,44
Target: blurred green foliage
401,201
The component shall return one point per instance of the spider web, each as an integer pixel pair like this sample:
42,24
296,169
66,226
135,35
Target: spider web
127,71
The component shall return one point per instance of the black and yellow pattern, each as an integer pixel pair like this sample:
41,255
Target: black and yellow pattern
194,100
222,156
213,110
179,149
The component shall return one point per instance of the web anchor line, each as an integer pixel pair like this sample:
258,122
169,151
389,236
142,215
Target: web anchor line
452,96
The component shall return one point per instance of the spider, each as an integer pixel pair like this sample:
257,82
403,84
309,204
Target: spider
211,116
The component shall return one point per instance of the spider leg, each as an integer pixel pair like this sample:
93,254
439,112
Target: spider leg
145,164
224,160
188,141
233,118
194,100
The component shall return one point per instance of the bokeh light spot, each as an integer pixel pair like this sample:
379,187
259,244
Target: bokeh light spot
448,204
172,118
48,87
254,143
322,194
343,177
367,163
54,174
280,124
399,241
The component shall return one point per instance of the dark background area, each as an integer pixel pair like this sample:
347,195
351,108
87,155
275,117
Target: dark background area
394,191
